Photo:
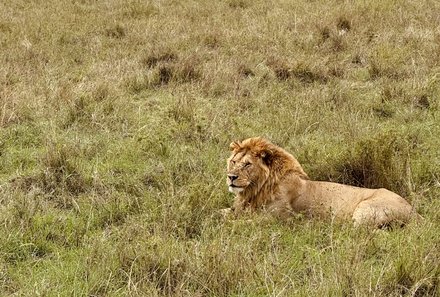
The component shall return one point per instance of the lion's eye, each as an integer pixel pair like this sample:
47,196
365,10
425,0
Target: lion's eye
247,164
232,162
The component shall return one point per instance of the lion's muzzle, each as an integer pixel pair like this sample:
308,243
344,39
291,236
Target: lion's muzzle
231,178
231,186
235,189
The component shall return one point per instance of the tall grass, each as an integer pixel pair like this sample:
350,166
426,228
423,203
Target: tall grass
115,117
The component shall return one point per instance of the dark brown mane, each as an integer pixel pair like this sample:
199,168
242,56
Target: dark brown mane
278,160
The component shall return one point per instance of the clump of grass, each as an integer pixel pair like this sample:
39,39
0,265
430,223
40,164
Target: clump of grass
139,10
384,112
101,92
335,70
325,33
163,275
403,283
151,60
117,202
163,68
212,41
6,282
238,4
343,24
183,110
245,71
164,75
307,74
187,71
334,39
58,176
60,173
135,84
392,92
358,59
379,162
422,101
78,110
5,27
388,62
280,68
338,42
117,31
179,72
8,116
301,71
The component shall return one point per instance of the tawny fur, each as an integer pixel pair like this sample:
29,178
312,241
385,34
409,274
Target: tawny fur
266,177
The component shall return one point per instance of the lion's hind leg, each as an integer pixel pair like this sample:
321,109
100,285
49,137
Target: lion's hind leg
368,214
381,209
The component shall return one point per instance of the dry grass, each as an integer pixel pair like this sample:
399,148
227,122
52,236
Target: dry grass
115,118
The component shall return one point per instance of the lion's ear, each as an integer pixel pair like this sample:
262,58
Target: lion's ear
267,155
235,145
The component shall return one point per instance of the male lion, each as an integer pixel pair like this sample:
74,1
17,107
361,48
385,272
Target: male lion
265,176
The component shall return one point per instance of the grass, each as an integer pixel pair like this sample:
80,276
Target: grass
115,120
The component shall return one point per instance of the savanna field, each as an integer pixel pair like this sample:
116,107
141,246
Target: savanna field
115,122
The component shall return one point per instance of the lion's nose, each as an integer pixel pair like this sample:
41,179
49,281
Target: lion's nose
232,177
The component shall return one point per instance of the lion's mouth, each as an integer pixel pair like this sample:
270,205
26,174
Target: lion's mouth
235,189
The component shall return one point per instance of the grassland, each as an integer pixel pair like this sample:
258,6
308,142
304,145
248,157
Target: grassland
115,119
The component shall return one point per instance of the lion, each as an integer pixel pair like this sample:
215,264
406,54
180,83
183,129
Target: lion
265,177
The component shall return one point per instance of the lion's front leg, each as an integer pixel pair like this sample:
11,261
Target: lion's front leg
236,208
226,211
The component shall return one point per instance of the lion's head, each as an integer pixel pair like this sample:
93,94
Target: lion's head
254,161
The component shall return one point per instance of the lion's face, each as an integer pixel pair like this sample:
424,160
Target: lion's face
246,170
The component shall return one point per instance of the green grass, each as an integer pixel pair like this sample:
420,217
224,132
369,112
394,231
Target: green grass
115,121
